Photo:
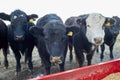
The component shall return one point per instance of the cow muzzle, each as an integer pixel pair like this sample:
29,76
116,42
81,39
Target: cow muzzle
98,41
19,38
56,60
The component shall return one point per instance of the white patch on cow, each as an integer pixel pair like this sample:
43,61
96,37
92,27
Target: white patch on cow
93,47
99,49
21,15
14,17
94,23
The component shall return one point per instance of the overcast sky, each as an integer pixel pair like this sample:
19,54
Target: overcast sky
63,8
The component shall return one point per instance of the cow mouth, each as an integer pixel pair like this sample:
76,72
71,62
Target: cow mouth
56,60
97,43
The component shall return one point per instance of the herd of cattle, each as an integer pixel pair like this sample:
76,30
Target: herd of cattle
53,37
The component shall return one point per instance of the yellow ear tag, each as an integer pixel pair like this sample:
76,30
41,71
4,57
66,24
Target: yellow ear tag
107,24
31,20
70,33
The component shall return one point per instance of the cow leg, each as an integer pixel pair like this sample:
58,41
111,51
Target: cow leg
89,58
61,66
80,58
111,52
5,52
45,59
26,57
102,51
17,57
70,49
63,63
29,58
47,65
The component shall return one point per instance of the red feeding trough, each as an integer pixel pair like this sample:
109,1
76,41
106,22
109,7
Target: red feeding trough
92,72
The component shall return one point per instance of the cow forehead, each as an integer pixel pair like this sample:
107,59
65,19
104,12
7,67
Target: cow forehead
53,26
17,13
54,31
95,19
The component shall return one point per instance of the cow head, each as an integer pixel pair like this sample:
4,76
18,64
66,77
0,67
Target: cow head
93,27
113,28
55,39
19,23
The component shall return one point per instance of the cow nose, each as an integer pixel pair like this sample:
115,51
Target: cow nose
56,60
98,41
19,37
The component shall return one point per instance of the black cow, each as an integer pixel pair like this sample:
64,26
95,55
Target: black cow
4,41
71,23
52,39
111,33
21,41
89,37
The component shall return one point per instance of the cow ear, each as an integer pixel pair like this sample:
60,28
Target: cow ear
79,21
109,22
35,31
70,31
5,16
32,17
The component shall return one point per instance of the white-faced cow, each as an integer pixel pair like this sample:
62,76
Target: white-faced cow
90,36
4,41
111,33
21,41
52,39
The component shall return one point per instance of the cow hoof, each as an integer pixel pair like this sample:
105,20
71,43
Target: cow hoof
5,67
101,60
111,58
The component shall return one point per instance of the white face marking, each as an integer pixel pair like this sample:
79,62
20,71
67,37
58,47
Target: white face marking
21,15
14,17
94,24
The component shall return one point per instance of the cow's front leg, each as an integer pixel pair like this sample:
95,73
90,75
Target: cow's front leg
89,58
29,58
111,52
5,52
102,52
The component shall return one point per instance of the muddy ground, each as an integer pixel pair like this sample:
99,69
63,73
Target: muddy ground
9,74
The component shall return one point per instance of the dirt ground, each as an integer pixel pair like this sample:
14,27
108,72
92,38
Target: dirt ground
9,74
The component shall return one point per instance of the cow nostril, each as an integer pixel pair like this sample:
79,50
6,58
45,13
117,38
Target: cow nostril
97,40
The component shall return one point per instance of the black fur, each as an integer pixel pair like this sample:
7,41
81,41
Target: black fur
21,41
4,41
51,39
111,34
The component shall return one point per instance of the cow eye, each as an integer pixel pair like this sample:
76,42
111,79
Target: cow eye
21,15
14,17
88,25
